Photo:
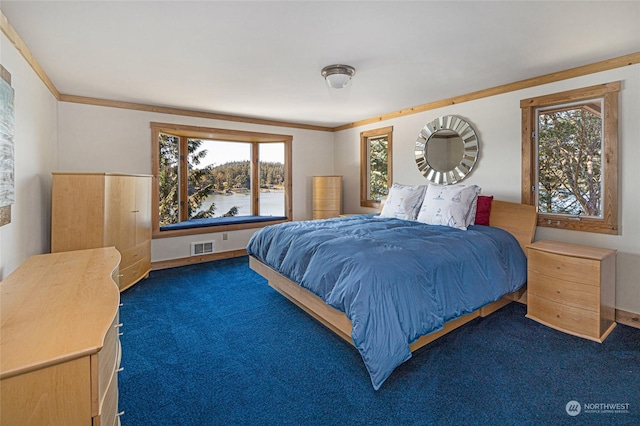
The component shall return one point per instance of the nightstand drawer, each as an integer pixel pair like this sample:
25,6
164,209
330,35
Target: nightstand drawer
577,321
586,271
564,292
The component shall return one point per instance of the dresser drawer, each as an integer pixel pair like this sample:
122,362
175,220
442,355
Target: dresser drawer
134,254
329,204
108,362
115,276
325,214
586,271
134,273
109,414
325,187
564,292
326,193
573,320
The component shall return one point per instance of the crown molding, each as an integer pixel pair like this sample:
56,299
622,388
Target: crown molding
187,112
20,45
608,64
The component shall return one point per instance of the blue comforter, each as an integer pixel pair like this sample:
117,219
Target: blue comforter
396,280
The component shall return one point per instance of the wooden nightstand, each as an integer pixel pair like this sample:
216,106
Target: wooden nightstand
572,288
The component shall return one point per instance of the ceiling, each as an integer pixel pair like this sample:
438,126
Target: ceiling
263,59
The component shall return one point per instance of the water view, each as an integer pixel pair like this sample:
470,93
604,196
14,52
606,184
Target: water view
271,203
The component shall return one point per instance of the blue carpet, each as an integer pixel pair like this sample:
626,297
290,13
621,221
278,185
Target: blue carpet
213,344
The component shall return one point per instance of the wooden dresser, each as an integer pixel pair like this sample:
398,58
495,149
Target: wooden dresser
91,210
59,340
327,196
572,288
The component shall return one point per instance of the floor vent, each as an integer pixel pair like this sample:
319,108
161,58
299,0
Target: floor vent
201,248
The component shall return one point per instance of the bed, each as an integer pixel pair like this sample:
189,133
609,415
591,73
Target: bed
358,301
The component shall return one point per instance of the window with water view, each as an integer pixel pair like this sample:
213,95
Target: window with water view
201,178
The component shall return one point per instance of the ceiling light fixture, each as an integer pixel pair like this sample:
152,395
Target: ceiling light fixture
338,76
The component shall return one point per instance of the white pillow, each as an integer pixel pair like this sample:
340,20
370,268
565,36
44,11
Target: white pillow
471,217
448,205
403,201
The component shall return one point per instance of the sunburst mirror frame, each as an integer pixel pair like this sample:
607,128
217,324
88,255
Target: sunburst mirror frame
471,149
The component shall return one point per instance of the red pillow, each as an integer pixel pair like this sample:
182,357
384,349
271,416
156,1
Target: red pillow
484,210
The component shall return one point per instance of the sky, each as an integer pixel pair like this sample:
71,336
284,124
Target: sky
224,152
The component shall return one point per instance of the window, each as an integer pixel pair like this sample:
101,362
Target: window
570,158
375,166
213,178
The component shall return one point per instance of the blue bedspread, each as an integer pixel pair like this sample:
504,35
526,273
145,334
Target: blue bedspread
396,280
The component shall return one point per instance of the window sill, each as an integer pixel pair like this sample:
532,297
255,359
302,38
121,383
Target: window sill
218,224
585,224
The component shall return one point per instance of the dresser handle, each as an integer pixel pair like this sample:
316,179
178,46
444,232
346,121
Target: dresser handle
120,414
120,275
121,304
558,291
119,370
118,325
120,334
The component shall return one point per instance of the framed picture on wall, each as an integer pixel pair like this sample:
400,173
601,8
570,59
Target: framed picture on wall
7,127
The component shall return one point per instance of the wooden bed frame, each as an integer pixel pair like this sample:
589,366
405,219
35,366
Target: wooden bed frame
518,219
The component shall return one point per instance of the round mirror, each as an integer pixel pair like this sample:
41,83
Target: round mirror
446,150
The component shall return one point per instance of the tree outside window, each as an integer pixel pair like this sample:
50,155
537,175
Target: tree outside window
201,181
570,158
375,167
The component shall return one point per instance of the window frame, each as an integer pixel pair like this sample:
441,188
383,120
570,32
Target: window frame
608,92
365,163
185,132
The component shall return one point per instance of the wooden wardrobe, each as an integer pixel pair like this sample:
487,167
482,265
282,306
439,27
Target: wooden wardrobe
92,210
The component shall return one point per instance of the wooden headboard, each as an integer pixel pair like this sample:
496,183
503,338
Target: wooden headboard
518,219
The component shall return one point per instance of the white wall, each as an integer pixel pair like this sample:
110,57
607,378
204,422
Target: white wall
498,122
102,139
35,150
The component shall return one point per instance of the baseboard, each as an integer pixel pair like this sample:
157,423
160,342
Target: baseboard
192,260
628,318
